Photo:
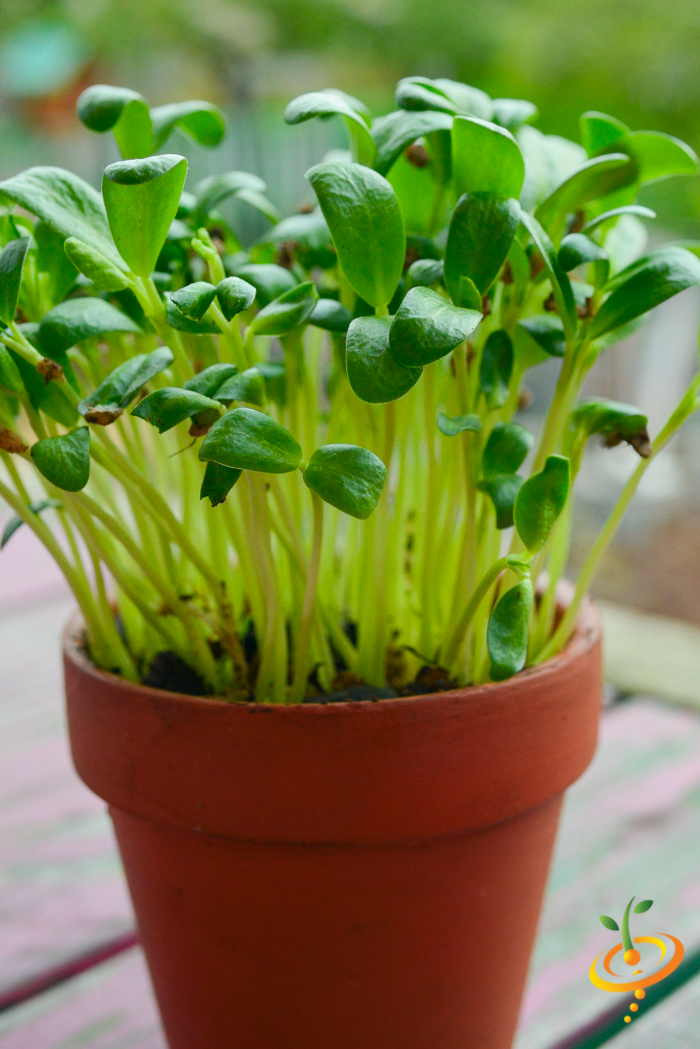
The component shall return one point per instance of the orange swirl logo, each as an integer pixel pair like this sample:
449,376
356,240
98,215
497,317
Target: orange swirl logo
637,962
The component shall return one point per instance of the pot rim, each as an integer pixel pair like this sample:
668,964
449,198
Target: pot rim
586,633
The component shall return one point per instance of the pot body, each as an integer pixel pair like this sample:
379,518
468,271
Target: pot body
350,876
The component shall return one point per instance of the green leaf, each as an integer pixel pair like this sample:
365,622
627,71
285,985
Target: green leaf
481,233
577,249
373,372
506,449
12,259
269,280
141,197
177,320
330,103
615,213
202,121
642,906
365,221
76,319
15,522
100,106
348,477
609,923
427,327
660,156
212,191
496,369
208,381
395,131
97,267
65,460
502,489
10,378
65,203
246,439
540,501
218,482
425,272
599,132
133,131
292,309
547,331
50,398
308,237
331,315
58,272
561,286
593,179
651,281
450,427
249,386
419,93
195,299
512,113
235,295
469,100
507,632
124,382
485,159
167,407
615,421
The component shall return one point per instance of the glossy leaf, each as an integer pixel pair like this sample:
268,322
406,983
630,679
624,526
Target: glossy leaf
100,106
426,271
235,295
502,489
246,439
65,460
609,923
269,280
58,274
202,121
660,156
601,133
177,320
10,378
133,131
331,315
48,398
395,131
124,382
141,197
615,421
365,221
642,906
334,103
450,427
208,381
167,407
76,319
98,268
15,522
547,331
507,633
218,482
249,386
576,249
485,159
427,327
496,369
506,449
194,299
292,309
541,500
651,281
561,286
481,232
593,179
373,372
615,213
348,477
65,203
12,259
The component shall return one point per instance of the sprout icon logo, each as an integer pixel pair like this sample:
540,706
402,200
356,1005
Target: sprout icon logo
637,962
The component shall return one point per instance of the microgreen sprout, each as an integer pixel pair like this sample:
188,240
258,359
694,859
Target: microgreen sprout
299,465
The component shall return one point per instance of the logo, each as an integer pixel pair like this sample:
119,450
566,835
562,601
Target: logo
637,962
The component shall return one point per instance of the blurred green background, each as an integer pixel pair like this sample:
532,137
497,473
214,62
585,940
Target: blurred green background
635,59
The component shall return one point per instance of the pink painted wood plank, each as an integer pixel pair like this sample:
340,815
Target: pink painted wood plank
61,885
110,1007
631,825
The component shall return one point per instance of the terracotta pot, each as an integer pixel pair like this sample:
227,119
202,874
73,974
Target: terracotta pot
350,876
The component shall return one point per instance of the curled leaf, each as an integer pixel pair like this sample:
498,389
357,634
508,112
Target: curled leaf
541,500
218,482
348,477
451,427
427,327
373,372
246,439
64,460
507,632
167,407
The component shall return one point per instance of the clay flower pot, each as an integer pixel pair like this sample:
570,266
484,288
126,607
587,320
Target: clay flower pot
351,876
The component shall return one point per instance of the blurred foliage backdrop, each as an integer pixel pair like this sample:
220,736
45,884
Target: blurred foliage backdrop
635,59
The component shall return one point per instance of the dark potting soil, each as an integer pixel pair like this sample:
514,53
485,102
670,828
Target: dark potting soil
171,673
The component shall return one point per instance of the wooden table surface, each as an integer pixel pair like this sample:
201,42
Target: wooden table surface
631,825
